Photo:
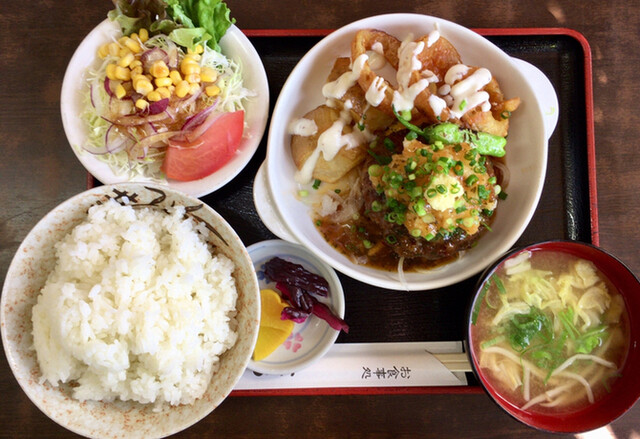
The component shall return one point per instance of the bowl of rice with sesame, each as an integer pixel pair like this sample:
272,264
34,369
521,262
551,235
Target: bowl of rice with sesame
130,311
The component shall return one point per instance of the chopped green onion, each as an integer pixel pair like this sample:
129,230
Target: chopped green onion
418,207
375,170
441,189
501,289
303,193
367,244
483,192
337,191
505,114
463,104
406,115
502,195
431,192
316,183
391,239
471,180
415,233
469,222
388,143
376,206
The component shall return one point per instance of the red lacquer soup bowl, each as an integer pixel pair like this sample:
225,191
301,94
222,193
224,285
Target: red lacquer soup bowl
602,332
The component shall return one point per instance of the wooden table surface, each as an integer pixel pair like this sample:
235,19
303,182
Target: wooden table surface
38,170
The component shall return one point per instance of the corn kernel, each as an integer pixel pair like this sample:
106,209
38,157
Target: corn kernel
189,68
143,34
111,71
142,85
142,104
114,48
153,96
175,76
199,48
212,90
123,39
159,69
120,91
135,63
207,74
103,51
194,88
137,70
163,82
182,88
133,36
193,78
123,52
123,73
125,61
164,92
133,46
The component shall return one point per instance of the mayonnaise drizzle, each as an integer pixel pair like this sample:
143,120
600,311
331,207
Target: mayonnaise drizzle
455,73
437,104
336,89
303,127
466,93
375,92
408,62
432,38
331,141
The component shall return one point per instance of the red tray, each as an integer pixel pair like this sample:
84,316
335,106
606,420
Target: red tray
568,207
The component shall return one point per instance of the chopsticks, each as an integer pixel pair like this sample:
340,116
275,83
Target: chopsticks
457,362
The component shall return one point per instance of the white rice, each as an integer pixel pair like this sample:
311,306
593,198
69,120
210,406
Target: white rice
136,308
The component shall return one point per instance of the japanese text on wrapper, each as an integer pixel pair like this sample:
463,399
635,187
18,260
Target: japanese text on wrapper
390,373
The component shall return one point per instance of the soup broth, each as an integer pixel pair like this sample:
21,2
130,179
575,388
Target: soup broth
550,332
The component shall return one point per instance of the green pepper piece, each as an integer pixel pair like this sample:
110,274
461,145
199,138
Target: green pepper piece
447,133
489,144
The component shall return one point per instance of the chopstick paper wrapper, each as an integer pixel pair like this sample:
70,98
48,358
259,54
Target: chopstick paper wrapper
372,365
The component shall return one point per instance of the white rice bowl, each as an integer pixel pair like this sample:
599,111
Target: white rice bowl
139,331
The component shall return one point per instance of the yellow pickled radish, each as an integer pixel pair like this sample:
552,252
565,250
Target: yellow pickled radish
273,331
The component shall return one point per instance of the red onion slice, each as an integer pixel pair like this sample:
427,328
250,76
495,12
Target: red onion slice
192,121
192,135
150,56
115,141
158,106
107,86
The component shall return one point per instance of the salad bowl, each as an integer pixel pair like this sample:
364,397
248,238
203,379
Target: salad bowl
289,217
75,95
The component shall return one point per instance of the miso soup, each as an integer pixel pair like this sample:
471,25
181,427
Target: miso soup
550,332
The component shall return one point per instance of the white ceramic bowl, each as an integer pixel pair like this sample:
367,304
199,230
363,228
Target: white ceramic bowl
27,274
235,45
313,338
526,157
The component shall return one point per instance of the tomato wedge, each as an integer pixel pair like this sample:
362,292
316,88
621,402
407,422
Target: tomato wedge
187,161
